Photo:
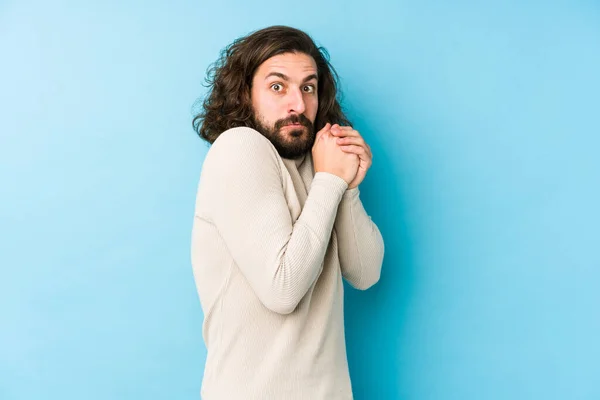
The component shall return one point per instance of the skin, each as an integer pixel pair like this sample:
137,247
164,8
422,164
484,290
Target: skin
350,141
285,101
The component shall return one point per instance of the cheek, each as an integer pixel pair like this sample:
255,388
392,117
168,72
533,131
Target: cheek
312,106
266,106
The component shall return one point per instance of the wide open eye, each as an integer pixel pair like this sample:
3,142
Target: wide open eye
277,87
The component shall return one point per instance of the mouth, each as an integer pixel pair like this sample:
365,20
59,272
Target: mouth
294,130
293,126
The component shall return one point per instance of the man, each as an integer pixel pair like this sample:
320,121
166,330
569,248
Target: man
279,222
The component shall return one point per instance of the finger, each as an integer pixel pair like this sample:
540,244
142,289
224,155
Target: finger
335,127
347,140
365,158
323,130
358,150
341,132
357,141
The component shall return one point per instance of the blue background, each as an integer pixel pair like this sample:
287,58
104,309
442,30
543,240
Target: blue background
484,122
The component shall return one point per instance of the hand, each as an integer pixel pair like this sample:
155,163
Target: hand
350,141
329,157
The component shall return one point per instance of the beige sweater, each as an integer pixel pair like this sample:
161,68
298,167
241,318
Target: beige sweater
271,242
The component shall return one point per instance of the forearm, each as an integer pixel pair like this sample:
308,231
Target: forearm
288,277
360,244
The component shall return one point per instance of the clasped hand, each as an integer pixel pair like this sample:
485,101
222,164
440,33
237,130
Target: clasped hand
342,151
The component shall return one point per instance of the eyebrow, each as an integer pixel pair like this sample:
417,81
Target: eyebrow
286,78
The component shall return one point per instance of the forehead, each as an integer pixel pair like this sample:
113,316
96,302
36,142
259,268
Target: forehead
290,64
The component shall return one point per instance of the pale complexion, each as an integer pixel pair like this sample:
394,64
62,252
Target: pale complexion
285,101
351,141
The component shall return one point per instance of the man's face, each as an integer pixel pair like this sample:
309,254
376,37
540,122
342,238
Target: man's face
285,102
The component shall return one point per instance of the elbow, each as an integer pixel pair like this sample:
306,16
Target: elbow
364,277
374,278
280,303
280,308
369,280
283,293
371,273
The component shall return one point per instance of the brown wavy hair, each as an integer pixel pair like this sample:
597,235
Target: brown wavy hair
228,102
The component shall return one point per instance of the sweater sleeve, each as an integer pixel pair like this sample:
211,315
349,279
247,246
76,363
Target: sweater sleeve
360,244
244,199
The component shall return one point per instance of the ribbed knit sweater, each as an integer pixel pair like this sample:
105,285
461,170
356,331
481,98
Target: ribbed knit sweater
271,242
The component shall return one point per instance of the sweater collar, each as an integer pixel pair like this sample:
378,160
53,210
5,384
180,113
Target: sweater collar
298,161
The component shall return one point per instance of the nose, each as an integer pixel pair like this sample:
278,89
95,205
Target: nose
296,101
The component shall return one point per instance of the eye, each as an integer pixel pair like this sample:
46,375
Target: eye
309,89
277,87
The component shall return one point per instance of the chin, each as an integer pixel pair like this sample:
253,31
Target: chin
298,134
295,132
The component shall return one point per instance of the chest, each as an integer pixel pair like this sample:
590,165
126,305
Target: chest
296,181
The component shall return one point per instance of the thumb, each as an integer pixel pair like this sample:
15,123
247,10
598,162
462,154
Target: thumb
323,130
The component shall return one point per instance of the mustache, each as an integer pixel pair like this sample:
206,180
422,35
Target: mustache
293,119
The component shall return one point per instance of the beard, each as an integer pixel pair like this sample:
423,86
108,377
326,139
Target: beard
292,142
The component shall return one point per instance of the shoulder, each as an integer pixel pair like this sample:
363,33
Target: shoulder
242,140
241,148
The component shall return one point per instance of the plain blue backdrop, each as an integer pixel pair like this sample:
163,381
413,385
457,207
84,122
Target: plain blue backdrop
484,122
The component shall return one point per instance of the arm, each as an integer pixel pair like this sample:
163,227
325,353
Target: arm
242,194
360,244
